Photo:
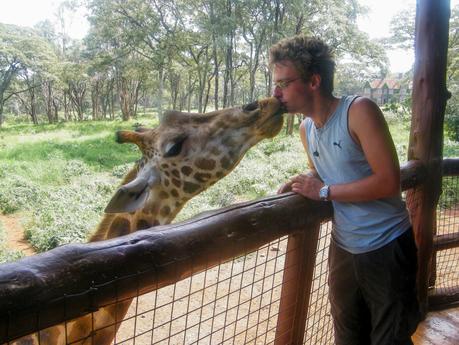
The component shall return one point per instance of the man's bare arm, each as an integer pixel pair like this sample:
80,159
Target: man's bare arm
369,129
311,172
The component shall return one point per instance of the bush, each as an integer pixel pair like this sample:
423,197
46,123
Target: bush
450,192
69,213
18,193
75,168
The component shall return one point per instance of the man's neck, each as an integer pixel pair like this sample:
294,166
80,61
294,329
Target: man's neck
323,109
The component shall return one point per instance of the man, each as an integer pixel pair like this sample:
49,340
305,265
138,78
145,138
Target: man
353,163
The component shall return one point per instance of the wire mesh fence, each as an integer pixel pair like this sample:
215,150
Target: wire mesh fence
319,327
236,302
447,261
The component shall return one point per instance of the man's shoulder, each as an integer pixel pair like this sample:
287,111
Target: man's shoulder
363,103
363,108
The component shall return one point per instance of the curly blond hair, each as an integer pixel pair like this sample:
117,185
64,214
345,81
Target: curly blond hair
309,55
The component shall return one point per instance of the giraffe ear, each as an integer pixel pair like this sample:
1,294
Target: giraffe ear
133,195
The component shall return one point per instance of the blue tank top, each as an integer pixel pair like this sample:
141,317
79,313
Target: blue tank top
359,227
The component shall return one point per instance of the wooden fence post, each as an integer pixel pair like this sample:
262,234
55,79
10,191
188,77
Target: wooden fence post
296,286
426,137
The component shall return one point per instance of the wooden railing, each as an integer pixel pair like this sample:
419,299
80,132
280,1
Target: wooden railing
73,280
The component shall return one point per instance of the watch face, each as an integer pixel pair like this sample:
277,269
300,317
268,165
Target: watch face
323,193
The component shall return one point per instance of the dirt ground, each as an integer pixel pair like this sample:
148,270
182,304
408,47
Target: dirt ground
15,234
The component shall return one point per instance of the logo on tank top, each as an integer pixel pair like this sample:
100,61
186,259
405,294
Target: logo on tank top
337,144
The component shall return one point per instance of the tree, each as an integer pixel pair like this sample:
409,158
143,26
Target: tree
22,52
402,29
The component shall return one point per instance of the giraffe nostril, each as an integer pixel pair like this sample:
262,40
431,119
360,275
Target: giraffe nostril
250,106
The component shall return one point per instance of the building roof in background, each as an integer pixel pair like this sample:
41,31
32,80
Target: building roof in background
391,83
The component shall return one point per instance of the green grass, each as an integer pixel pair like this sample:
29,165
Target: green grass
62,176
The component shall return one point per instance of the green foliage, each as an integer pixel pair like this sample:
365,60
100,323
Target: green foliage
452,118
18,192
62,176
450,192
70,212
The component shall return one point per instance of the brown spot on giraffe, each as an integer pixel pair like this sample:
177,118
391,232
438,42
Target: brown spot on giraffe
176,173
165,211
163,195
225,162
190,188
215,151
186,170
176,182
119,227
205,163
202,177
143,224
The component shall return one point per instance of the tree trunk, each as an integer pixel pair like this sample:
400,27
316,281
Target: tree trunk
1,109
189,93
33,107
48,96
160,92
56,110
290,124
66,107
95,100
228,85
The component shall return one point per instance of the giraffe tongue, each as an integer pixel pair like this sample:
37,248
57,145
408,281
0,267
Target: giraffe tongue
129,197
133,195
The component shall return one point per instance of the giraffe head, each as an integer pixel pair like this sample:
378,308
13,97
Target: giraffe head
187,153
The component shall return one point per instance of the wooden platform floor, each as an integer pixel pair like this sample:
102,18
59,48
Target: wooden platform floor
439,328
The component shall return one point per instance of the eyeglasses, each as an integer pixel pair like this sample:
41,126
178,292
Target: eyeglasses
283,84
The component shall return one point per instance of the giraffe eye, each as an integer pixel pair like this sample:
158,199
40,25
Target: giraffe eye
174,148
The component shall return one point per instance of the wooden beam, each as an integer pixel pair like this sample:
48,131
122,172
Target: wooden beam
426,136
412,174
450,167
448,241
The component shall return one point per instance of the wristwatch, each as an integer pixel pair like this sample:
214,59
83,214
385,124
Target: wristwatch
324,193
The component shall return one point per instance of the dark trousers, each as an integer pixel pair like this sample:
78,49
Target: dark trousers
373,295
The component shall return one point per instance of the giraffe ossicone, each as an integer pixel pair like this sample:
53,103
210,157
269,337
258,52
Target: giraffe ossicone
181,157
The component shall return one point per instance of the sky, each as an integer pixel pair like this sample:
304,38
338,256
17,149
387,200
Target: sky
376,23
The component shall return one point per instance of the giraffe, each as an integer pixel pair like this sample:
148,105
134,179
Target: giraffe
181,157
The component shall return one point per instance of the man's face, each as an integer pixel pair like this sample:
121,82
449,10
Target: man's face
290,89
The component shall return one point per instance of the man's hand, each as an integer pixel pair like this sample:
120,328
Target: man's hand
307,185
285,188
308,179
